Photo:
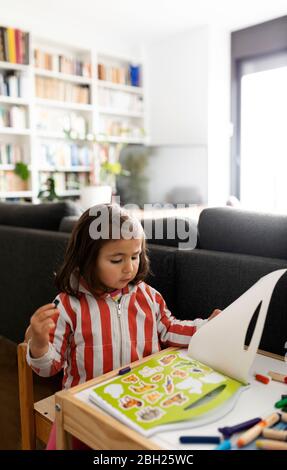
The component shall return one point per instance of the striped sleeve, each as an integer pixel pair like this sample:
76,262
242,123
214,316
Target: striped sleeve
173,332
53,360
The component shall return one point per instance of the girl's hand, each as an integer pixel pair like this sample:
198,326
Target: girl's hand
214,314
40,325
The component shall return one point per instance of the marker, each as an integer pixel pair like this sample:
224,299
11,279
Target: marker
225,445
278,377
281,403
199,439
254,432
56,302
275,434
125,370
228,431
262,378
268,444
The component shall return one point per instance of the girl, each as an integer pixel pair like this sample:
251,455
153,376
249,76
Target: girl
105,316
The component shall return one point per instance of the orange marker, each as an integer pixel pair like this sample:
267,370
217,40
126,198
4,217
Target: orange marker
262,378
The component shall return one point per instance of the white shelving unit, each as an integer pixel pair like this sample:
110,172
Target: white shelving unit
64,91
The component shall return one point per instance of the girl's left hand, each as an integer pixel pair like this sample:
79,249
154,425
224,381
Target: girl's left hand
214,314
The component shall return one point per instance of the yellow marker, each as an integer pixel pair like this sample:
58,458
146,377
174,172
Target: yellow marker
254,432
274,434
268,444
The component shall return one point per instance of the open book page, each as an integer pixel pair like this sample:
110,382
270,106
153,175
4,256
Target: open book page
220,343
167,392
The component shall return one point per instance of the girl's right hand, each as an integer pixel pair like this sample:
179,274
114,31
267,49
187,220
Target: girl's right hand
40,325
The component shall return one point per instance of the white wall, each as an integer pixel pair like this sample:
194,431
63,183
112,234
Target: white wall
188,100
218,117
61,29
174,167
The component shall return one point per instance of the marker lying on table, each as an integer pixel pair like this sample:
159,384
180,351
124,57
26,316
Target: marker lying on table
281,403
268,444
262,378
256,430
125,370
225,445
228,431
278,377
199,439
276,434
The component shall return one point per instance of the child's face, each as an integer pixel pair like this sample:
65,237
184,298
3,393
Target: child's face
118,262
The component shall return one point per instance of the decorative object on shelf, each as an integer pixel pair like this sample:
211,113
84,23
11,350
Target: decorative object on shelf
21,169
49,192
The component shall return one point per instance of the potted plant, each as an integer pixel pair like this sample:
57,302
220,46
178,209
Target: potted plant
22,171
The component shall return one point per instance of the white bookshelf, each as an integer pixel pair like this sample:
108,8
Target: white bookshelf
63,90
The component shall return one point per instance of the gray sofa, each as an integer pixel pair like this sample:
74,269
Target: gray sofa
234,249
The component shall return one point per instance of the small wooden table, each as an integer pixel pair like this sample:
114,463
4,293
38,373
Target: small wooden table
99,430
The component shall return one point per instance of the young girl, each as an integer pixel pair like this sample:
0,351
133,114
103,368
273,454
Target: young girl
105,316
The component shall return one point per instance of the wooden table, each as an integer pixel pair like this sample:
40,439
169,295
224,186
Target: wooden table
99,430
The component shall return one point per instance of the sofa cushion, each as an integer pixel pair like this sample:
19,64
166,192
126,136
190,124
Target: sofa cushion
29,259
67,223
209,279
171,231
239,231
45,216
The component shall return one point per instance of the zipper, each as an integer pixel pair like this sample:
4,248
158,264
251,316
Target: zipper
119,307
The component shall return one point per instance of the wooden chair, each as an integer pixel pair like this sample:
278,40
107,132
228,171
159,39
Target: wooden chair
36,418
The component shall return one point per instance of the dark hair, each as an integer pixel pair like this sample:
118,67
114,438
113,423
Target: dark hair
83,251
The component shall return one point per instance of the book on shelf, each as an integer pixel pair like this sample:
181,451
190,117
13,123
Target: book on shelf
188,388
14,46
61,63
10,153
53,89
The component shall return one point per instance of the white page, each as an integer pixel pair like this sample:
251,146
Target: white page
220,342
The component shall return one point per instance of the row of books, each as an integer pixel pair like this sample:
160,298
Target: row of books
120,100
64,155
14,45
49,88
120,128
122,75
14,84
9,181
57,120
61,63
10,153
65,181
15,116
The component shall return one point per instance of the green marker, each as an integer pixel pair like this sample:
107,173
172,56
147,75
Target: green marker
281,403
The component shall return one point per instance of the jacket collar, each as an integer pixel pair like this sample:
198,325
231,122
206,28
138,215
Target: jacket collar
84,288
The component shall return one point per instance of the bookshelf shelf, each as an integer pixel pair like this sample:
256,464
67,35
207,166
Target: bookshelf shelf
15,194
10,66
63,76
58,89
14,131
63,105
68,169
14,100
119,87
120,112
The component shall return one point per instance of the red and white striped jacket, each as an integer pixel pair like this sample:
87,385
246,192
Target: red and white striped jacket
94,335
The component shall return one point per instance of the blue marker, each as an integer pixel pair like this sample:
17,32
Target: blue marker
125,370
199,439
225,445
